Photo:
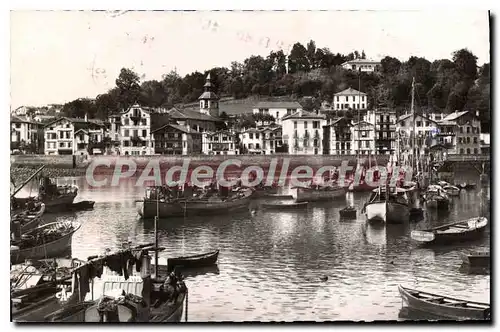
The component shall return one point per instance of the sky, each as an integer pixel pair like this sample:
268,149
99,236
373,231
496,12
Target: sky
59,56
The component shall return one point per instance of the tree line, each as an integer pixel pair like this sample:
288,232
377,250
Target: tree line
443,85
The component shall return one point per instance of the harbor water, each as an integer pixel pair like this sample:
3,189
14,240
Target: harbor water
272,264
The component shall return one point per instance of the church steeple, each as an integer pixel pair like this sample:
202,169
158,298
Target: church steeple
209,102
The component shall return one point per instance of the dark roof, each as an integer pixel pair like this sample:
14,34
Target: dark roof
184,114
302,114
79,123
178,127
17,119
406,116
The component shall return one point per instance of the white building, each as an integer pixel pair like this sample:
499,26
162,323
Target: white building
303,132
277,109
425,129
73,136
363,65
461,132
363,138
222,142
135,131
263,140
24,132
350,99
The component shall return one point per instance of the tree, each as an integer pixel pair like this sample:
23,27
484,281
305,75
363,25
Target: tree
128,84
311,54
390,66
466,64
297,60
363,55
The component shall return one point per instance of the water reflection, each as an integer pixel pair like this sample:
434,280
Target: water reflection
271,262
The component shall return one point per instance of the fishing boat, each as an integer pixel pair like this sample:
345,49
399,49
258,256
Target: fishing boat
436,198
193,261
34,287
55,196
157,202
29,218
264,191
451,190
284,205
349,212
47,241
461,231
127,298
217,204
477,259
445,306
387,205
319,193
81,206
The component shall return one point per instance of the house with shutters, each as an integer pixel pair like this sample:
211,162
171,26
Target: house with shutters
303,132
350,99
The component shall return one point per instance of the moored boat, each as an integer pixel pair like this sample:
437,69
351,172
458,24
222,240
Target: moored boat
278,196
477,259
193,261
29,218
56,197
264,191
452,190
124,298
80,206
304,194
387,205
47,241
465,230
349,212
217,204
285,205
445,306
436,198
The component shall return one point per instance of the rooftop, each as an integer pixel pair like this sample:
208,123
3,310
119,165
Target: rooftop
303,115
362,61
350,92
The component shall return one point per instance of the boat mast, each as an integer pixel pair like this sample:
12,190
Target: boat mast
156,230
28,180
359,114
413,116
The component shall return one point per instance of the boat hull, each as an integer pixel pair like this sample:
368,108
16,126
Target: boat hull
57,203
215,207
455,312
310,195
387,212
432,237
203,260
285,206
150,209
477,260
48,250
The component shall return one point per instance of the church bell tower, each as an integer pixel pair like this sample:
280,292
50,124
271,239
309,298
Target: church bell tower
209,102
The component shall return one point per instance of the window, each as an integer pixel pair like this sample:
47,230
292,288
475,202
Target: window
475,140
144,133
250,135
468,130
338,98
295,124
346,98
427,124
468,139
461,130
305,124
367,144
403,123
126,133
224,138
257,136
342,106
277,115
362,105
475,151
315,124
468,151
363,133
144,122
288,112
257,146
460,141
419,123
363,98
